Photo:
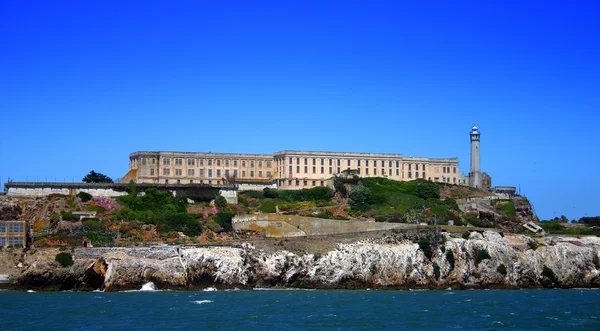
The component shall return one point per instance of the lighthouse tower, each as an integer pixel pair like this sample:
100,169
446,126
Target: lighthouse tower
475,174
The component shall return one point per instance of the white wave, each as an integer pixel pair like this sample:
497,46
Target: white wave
200,302
282,289
209,289
30,291
98,290
149,286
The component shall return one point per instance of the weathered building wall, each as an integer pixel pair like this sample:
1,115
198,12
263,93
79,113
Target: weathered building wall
279,226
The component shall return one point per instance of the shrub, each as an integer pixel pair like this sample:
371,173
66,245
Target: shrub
93,224
65,259
533,244
223,218
268,207
68,216
436,270
450,258
360,197
482,254
425,246
508,209
501,269
85,197
466,234
269,193
220,202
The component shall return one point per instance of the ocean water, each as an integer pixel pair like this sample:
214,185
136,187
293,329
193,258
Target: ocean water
575,309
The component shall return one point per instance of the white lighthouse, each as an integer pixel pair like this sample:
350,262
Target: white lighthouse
475,174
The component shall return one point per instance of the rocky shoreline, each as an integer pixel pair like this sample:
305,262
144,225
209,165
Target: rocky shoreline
484,260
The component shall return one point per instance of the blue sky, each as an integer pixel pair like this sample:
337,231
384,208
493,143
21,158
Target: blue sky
85,83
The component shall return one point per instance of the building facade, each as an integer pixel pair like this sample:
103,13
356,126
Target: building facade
285,169
13,233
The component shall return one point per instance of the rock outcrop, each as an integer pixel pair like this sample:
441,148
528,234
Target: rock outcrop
485,260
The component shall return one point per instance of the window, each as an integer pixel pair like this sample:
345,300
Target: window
152,172
338,163
375,171
260,164
330,162
251,173
397,172
454,180
416,174
268,174
13,241
314,161
153,161
390,164
2,228
397,164
210,174
268,164
358,170
390,172
330,170
243,164
210,163
201,162
251,164
201,172
348,162
314,170
191,181
423,175
260,174
144,161
367,163
235,172
305,182
226,172
409,165
290,170
305,161
454,170
178,162
178,181
16,227
367,171
322,183
190,172
409,174
305,169
218,163
243,173
423,167
218,172
297,182
235,163
191,162
374,163
227,163
314,183
358,163
297,169
338,170
291,163
166,172
416,167
290,181
166,181
322,170
167,161
322,161
178,172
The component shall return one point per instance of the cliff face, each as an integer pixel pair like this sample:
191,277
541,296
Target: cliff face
482,261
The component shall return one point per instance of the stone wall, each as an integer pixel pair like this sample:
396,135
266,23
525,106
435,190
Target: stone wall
280,226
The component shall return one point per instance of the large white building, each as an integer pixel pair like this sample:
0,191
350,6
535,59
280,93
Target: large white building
286,169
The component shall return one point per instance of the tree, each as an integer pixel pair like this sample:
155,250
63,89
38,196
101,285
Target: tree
96,177
360,196
220,202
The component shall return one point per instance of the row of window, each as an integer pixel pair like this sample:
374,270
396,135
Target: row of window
338,162
304,182
12,227
12,241
446,170
210,172
209,162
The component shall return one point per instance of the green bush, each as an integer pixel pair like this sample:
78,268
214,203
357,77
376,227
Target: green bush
270,193
474,221
466,234
481,255
450,258
93,224
85,197
65,259
552,226
268,207
501,269
508,209
533,244
68,216
436,270
224,218
425,246
360,197
220,202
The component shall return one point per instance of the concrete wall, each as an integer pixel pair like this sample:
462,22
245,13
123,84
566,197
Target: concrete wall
255,186
45,191
279,226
